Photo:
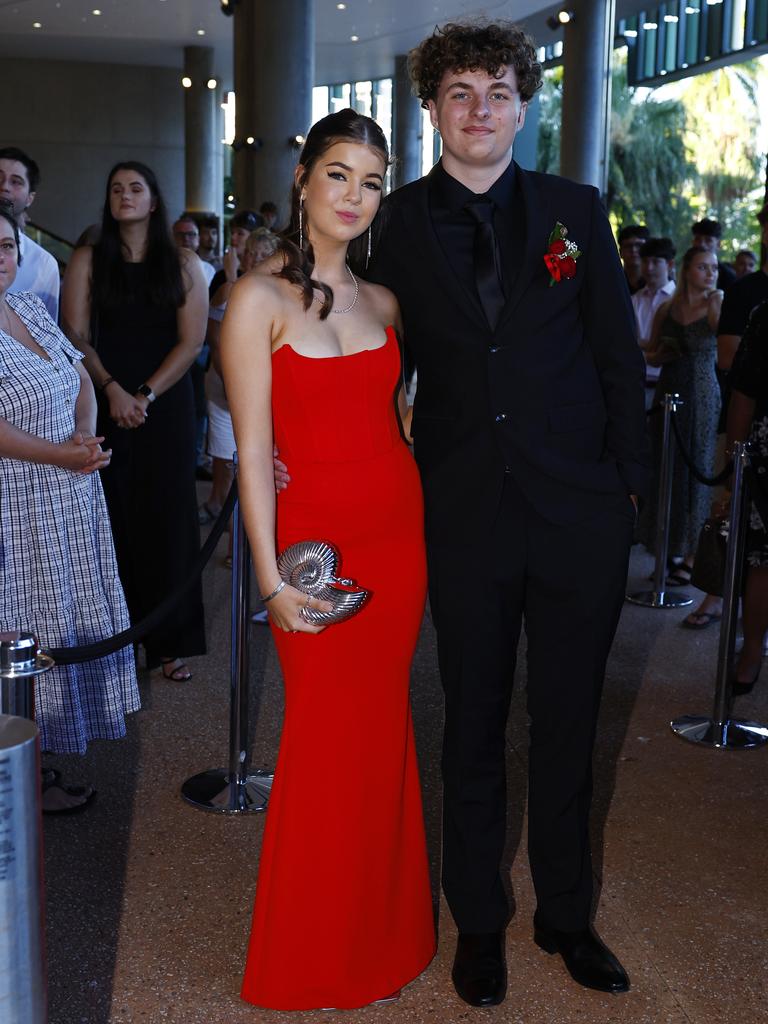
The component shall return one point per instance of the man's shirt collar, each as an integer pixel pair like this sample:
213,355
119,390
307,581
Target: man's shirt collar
450,192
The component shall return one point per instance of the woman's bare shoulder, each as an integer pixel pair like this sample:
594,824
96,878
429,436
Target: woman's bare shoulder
383,300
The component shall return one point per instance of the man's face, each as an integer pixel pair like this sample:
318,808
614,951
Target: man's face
708,242
270,216
744,264
655,271
478,116
186,235
209,237
629,250
14,186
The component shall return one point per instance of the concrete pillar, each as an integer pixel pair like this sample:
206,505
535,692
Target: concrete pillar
587,53
274,75
406,127
202,138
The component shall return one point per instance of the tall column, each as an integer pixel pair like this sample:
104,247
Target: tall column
274,76
406,127
587,53
202,139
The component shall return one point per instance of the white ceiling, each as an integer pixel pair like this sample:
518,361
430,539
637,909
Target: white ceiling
155,31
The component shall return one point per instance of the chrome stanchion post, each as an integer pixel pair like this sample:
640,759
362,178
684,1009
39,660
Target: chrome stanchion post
658,597
23,989
235,790
21,660
720,730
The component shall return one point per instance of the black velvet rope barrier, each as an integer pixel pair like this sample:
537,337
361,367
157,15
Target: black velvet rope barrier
709,481
101,648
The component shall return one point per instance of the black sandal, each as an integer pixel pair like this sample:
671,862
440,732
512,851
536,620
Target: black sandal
85,794
681,577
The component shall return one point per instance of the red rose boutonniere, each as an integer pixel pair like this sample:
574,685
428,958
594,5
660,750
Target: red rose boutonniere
561,255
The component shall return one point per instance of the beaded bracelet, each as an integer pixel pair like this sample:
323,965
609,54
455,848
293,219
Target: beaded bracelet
274,593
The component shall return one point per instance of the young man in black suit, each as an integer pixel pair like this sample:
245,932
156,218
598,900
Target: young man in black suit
529,432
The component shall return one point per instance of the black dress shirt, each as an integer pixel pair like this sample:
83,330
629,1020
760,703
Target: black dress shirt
455,227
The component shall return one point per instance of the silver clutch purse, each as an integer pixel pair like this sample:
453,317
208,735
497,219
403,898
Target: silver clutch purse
310,566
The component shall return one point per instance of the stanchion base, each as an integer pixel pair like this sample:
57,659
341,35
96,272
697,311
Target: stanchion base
660,599
214,790
733,734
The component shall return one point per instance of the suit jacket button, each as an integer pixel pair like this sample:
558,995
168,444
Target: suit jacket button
501,417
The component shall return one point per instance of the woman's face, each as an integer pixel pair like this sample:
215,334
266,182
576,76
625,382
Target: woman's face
259,252
702,271
342,192
238,238
130,199
9,255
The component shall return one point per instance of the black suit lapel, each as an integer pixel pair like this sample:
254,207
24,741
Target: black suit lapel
419,225
535,245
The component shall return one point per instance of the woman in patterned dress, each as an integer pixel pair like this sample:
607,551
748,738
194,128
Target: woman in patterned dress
58,574
684,343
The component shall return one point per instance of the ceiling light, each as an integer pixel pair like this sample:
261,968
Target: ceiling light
671,19
649,25
630,33
297,141
341,7
211,83
250,140
691,10
96,12
560,18
201,31
186,82
37,24
354,39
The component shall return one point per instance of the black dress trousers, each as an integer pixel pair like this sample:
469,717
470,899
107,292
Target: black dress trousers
565,584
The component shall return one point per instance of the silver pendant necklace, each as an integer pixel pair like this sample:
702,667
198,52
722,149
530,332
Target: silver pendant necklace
353,303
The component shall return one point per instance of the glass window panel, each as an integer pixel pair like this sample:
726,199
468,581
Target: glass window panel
320,102
363,98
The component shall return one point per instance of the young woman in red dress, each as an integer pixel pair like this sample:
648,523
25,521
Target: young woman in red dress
343,913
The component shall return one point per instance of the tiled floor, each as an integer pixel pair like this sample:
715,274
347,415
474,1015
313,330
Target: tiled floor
149,900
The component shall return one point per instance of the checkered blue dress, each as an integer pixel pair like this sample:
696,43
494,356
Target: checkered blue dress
58,574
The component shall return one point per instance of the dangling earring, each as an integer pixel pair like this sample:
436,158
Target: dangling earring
301,222
368,254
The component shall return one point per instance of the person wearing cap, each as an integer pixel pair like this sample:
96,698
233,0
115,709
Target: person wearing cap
240,227
706,235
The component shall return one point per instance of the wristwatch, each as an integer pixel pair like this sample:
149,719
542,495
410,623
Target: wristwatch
147,392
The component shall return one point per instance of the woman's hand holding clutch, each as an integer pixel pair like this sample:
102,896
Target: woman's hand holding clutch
286,609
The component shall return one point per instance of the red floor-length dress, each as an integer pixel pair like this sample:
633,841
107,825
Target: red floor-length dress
343,912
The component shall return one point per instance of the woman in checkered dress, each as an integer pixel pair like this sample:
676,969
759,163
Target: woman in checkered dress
58,574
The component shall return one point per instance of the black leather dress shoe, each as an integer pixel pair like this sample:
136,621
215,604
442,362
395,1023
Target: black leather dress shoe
587,958
479,971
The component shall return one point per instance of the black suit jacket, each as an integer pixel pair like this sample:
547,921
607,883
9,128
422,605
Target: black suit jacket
554,395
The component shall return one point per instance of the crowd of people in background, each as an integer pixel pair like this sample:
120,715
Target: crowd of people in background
691,324
131,386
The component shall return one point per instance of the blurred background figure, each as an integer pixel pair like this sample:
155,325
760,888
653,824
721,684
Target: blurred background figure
38,271
186,235
631,240
136,305
657,259
683,343
706,234
268,211
745,263
209,240
241,225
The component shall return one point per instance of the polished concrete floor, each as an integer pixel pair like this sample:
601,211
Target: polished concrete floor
149,899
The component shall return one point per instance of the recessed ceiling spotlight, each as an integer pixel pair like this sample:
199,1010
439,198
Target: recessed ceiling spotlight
201,31
186,82
354,39
250,140
341,7
37,24
96,12
211,83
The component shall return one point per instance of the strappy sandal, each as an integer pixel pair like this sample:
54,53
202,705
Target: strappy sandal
179,674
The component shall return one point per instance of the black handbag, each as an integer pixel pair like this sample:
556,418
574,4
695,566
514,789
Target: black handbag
709,564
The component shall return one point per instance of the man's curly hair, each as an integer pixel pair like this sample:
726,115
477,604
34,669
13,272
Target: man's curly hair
474,46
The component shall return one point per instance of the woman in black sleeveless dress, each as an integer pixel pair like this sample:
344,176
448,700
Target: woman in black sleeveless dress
137,307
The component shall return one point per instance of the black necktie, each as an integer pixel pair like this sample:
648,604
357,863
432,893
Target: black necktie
487,262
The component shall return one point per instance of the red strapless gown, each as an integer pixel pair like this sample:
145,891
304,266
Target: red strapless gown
343,912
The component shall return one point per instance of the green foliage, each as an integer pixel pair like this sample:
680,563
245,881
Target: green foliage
677,154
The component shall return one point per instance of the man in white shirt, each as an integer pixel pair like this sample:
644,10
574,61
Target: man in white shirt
186,235
657,259
38,270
